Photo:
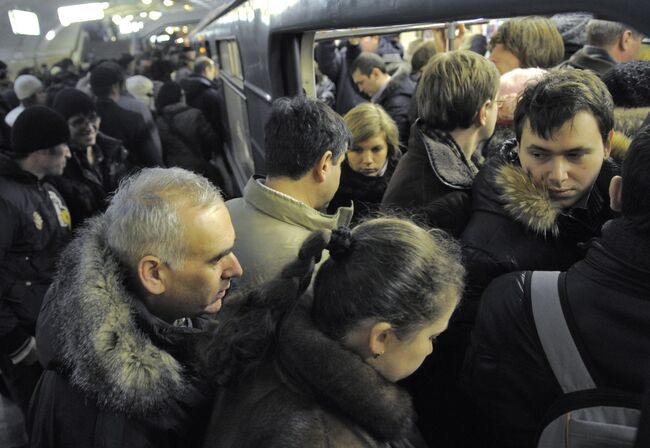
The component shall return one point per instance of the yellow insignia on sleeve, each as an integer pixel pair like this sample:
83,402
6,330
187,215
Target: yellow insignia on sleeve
38,220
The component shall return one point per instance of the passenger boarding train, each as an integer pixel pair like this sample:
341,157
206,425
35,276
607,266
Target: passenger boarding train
265,47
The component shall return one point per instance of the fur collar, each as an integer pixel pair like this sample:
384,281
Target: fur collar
102,334
340,377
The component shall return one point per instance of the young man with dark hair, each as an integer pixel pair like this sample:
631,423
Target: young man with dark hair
457,102
305,146
607,291
393,93
525,42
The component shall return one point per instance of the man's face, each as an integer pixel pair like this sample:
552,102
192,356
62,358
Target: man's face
569,162
368,84
199,285
504,59
52,161
83,129
369,44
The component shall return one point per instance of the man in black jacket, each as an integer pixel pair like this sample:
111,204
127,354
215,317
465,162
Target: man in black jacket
606,294
117,328
34,228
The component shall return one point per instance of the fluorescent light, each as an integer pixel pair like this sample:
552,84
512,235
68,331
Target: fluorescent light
50,35
188,7
180,40
81,13
117,19
24,22
155,15
162,38
143,14
146,2
168,3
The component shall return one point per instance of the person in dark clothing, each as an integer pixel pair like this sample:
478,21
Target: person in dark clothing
204,91
506,370
334,62
629,84
457,113
129,127
393,93
321,371
188,139
608,43
34,228
98,162
422,54
117,327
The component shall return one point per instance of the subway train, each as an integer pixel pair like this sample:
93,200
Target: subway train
265,48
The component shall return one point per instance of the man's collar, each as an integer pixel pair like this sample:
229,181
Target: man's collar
377,94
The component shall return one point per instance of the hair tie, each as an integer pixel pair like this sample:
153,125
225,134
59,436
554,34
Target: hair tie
340,243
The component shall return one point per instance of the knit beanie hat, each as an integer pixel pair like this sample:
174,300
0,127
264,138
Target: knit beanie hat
511,85
27,85
140,87
629,83
37,128
105,75
70,102
170,93
573,29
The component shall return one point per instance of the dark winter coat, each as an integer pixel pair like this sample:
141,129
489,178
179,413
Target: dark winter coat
396,99
34,229
365,191
313,393
433,179
188,139
591,58
85,188
208,96
130,128
116,375
606,294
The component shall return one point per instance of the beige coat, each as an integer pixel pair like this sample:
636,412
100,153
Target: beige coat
270,228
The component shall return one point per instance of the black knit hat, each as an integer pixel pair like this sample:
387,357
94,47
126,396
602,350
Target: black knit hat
70,102
36,128
170,93
105,75
629,84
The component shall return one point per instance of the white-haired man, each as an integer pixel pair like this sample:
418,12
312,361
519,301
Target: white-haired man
116,329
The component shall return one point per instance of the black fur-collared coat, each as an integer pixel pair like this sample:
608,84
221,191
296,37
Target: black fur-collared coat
116,375
313,393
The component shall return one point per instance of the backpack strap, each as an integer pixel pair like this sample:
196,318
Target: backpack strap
554,334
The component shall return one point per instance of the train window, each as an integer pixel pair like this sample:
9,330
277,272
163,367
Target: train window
230,60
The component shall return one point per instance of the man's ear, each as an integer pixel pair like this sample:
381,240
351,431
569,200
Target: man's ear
152,273
616,193
625,40
323,167
378,338
608,144
375,73
482,113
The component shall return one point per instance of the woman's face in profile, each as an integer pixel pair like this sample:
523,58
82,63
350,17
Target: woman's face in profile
369,156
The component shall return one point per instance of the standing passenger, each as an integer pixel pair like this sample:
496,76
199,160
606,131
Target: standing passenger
327,379
458,110
305,146
370,162
116,329
30,91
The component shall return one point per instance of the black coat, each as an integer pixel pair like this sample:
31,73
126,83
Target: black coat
116,376
312,393
208,96
34,229
434,180
607,307
130,128
591,58
396,100
364,191
85,188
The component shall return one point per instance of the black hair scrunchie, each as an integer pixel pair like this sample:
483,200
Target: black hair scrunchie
340,243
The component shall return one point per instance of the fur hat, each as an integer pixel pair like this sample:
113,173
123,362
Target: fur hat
573,29
629,84
37,128
511,85
70,102
26,86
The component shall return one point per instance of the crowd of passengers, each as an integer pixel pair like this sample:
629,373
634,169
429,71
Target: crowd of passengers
381,269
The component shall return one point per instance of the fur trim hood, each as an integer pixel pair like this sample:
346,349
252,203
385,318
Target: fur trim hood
102,337
322,367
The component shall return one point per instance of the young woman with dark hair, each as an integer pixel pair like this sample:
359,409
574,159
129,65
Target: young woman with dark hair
300,369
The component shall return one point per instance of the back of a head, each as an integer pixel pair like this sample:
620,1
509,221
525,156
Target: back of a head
366,62
170,93
388,269
104,77
26,86
573,29
603,33
511,85
140,87
558,97
453,87
534,40
299,132
368,120
422,54
629,83
142,217
636,183
201,64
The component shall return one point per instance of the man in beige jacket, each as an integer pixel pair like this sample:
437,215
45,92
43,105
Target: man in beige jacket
305,146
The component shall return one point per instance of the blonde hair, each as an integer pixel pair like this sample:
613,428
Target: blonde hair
368,120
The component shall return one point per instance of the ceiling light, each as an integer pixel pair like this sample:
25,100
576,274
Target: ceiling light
24,22
162,38
50,35
146,2
168,3
155,15
188,7
81,13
